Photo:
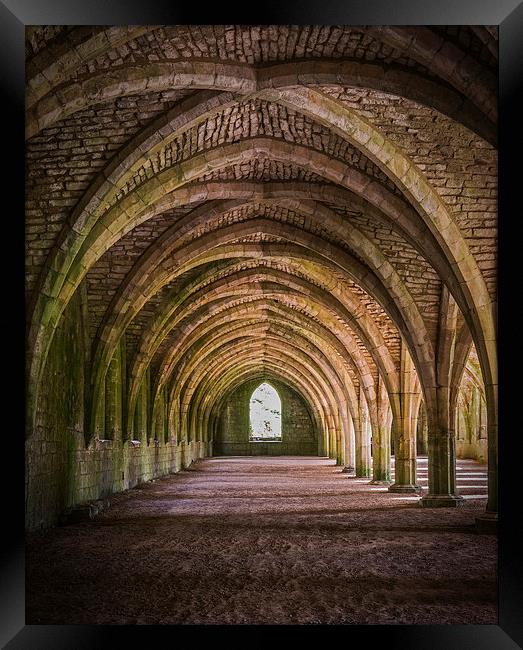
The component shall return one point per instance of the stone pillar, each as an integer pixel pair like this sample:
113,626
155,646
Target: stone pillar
441,438
166,419
325,436
422,432
350,447
122,382
113,399
487,522
339,440
381,439
492,432
362,435
404,428
331,435
159,423
140,415
322,451
442,457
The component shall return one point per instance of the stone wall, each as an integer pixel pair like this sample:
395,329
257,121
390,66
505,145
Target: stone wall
477,450
61,469
471,412
299,437
471,418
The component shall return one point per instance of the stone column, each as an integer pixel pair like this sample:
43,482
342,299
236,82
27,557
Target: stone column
159,424
113,399
166,420
404,428
350,448
362,435
422,432
331,435
381,439
138,417
325,436
487,522
339,440
441,438
442,457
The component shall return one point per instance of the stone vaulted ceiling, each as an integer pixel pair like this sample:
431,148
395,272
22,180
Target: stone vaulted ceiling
230,201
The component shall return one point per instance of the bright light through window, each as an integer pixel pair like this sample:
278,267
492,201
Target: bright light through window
265,414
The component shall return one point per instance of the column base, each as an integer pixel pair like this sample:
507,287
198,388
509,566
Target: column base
405,489
487,523
380,482
442,501
347,470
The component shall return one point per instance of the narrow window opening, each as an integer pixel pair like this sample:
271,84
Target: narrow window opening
265,414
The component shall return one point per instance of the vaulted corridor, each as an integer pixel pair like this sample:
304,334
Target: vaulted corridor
268,540
261,280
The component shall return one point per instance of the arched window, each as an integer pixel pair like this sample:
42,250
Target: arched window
265,414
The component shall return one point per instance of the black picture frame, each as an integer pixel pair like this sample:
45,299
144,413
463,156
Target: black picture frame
14,16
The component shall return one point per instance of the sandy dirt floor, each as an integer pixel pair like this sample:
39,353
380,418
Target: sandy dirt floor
267,541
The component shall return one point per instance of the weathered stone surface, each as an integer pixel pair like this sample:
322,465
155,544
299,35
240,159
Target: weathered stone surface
208,203
298,433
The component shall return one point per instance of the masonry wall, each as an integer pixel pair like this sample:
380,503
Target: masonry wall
61,469
299,436
471,420
471,413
